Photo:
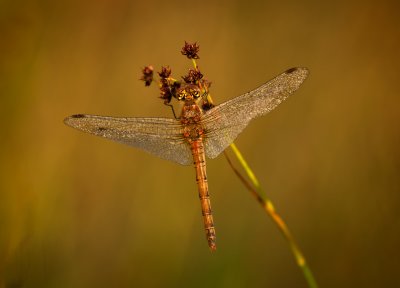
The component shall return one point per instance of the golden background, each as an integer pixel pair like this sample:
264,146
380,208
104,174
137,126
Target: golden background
79,211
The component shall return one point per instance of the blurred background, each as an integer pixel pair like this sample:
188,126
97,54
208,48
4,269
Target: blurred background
80,211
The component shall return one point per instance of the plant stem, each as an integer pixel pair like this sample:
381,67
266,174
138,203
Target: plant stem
269,208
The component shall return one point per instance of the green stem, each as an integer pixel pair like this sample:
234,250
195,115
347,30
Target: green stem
194,63
266,203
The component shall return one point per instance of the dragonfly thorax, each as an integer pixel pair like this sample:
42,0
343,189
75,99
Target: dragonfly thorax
191,121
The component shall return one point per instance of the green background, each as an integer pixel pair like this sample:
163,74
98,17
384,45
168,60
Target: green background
80,211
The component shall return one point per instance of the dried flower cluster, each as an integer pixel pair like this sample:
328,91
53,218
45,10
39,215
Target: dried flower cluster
193,76
191,50
147,75
169,86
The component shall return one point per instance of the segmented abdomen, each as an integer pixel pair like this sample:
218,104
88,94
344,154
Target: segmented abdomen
201,179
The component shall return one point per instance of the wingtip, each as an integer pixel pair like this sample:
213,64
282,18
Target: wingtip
298,69
77,116
291,70
68,119
301,73
213,248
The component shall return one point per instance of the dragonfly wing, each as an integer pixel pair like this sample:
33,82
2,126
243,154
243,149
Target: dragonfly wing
161,137
224,122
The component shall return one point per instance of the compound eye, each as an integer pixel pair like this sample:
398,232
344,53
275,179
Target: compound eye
196,93
182,95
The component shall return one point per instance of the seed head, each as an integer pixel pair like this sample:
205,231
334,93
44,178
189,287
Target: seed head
168,89
193,76
165,72
147,75
191,50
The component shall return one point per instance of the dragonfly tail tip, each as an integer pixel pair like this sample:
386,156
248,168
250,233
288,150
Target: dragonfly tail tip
213,247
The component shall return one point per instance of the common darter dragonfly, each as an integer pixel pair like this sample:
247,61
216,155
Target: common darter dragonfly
197,132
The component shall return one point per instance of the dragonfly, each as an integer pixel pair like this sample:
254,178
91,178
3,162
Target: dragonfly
197,133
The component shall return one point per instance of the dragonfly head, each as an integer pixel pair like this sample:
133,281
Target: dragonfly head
188,92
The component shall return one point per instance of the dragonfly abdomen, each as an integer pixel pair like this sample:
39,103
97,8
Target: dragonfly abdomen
202,184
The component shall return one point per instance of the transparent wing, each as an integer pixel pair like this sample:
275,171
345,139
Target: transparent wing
224,122
161,137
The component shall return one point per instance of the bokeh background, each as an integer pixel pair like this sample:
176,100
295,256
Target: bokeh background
80,211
